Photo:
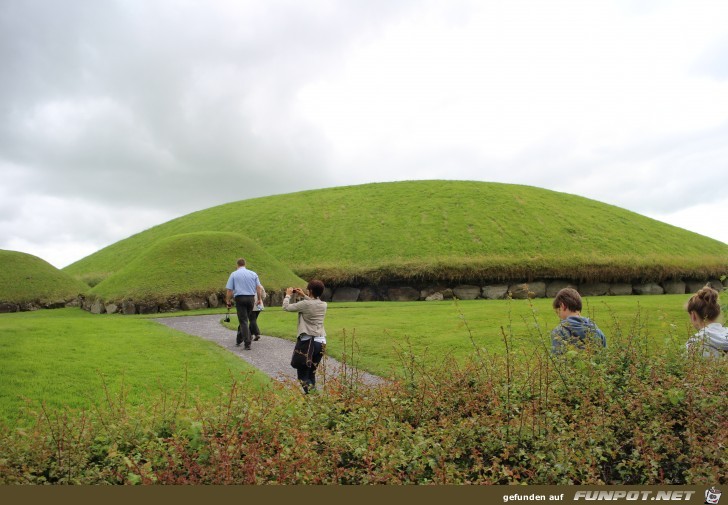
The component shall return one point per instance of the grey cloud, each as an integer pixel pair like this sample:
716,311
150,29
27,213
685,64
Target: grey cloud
156,103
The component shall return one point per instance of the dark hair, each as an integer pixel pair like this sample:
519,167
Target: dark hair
241,262
705,304
570,298
316,287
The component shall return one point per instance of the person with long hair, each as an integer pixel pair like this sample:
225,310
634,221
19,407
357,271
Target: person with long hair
311,334
711,340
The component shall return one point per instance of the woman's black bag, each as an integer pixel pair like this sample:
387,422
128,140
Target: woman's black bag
303,353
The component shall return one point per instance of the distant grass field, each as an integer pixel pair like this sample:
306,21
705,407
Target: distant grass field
191,263
26,278
378,334
66,358
448,230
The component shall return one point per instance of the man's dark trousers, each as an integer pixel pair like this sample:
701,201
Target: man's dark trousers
244,306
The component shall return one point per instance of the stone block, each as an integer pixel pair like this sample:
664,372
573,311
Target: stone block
674,287
7,307
327,296
193,303
435,297
111,308
518,291
369,294
403,294
537,288
97,307
716,284
495,292
620,289
593,289
128,307
431,290
695,286
346,294
148,308
466,292
648,288
555,286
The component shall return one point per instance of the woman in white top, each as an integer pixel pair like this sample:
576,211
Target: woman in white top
711,340
311,312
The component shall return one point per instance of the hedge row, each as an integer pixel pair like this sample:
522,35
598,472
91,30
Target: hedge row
623,415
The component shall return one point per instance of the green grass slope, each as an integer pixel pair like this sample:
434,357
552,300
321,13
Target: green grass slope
192,263
447,230
27,279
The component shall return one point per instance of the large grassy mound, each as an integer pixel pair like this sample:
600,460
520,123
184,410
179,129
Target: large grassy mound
28,280
191,264
446,230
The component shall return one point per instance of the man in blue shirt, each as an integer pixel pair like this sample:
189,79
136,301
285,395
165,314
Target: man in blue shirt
244,286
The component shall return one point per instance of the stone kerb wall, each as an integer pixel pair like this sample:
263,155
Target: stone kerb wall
396,293
523,290
174,304
8,307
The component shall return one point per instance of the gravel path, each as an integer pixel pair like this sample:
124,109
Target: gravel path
271,355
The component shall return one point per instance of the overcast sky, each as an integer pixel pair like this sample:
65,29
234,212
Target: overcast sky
116,116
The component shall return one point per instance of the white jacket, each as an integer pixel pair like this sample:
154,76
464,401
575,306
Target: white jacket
711,340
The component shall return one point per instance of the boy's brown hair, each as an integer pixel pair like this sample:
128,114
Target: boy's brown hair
570,298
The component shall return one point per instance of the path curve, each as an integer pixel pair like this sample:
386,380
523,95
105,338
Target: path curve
271,355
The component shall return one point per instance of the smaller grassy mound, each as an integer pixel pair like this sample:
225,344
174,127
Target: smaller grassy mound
192,264
26,279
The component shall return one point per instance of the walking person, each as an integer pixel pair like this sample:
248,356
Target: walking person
257,309
311,335
244,287
711,340
574,329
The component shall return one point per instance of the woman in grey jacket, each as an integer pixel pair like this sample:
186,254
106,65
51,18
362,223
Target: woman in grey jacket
311,312
711,340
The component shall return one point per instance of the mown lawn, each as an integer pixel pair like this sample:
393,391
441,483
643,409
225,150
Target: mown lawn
70,358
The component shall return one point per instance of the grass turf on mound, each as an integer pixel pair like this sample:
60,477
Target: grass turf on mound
448,230
192,263
25,278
